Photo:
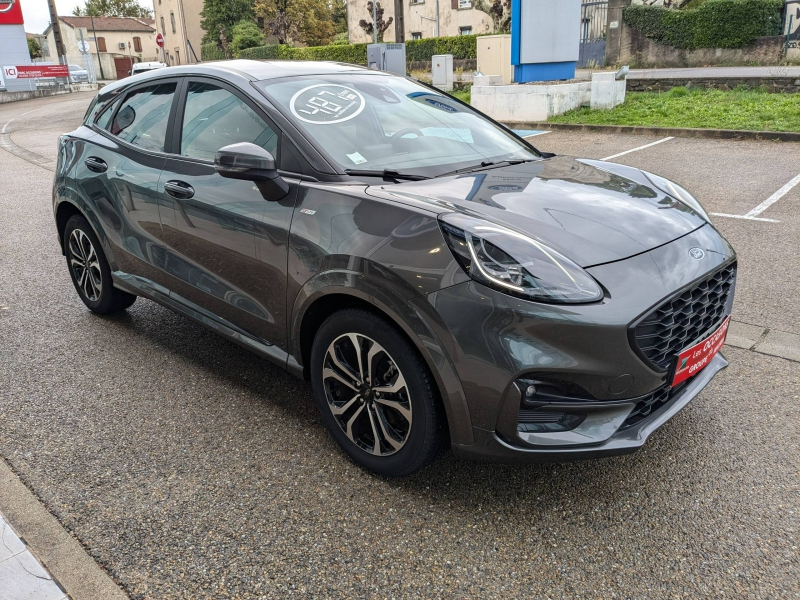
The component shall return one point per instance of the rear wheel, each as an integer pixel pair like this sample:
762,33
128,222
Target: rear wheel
89,269
375,394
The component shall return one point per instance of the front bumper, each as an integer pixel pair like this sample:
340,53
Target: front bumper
599,441
496,341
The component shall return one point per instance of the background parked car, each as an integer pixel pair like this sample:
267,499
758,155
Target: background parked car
78,74
143,67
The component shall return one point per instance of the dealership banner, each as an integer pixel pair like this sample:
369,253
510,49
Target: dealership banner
35,71
10,12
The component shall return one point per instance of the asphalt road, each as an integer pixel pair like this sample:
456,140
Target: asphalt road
190,468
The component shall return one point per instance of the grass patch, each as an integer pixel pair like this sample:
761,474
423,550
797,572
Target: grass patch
705,109
462,94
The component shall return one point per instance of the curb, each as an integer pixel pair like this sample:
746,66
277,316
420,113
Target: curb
720,134
70,565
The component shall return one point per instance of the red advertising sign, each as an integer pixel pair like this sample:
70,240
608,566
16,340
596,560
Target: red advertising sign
35,71
159,39
695,359
10,13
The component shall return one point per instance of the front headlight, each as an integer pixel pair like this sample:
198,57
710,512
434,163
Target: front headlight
673,189
516,264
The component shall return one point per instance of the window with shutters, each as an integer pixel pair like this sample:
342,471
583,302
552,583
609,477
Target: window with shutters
137,44
101,44
163,28
172,21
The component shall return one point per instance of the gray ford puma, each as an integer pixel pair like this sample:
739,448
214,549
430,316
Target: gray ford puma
439,281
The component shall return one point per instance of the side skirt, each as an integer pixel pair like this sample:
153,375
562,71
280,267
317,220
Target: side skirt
152,291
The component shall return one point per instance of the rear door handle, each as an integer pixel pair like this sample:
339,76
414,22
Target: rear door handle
179,189
98,165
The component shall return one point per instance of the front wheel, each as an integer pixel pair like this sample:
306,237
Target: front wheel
89,269
375,394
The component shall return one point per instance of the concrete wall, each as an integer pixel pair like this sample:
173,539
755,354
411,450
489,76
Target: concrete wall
450,19
772,84
529,103
187,29
641,52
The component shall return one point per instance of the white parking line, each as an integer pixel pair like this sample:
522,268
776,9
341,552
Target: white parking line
753,214
666,139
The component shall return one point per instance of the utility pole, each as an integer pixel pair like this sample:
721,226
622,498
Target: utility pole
56,25
399,22
94,33
375,21
437,18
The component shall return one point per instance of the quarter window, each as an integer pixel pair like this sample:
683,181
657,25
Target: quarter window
214,118
142,118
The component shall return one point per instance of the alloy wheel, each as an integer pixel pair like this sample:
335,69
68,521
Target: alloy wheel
367,394
85,265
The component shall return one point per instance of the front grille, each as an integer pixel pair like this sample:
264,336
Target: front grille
684,319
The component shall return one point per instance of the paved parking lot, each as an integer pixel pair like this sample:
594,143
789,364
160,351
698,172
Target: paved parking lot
189,468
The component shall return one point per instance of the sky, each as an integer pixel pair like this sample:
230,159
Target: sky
37,16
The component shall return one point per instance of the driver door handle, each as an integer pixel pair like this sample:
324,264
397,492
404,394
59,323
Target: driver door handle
98,165
179,189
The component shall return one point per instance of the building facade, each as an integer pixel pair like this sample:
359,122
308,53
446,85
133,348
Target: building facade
456,17
113,43
179,22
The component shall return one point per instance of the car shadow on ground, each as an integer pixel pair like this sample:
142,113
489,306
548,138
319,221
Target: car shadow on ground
457,484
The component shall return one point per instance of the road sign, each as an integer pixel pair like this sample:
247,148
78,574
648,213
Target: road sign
83,46
160,40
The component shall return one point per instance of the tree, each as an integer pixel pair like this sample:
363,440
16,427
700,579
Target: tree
297,21
381,24
34,49
245,34
217,14
112,8
499,11
339,16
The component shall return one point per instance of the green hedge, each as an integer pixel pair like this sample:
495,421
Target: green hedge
715,24
211,52
351,53
460,46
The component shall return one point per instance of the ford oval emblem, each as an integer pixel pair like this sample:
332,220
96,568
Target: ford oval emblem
697,254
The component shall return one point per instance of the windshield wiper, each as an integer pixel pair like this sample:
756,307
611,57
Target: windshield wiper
488,163
387,174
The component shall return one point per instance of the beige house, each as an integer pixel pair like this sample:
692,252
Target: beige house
456,17
114,42
179,22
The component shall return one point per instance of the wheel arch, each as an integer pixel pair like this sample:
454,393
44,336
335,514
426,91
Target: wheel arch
345,289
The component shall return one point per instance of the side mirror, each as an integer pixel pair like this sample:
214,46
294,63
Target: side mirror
129,72
251,163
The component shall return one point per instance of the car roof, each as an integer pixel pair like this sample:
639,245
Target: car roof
254,70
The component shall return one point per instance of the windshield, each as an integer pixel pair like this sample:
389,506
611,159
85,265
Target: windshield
376,121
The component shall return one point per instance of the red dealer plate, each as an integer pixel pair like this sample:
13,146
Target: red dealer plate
695,359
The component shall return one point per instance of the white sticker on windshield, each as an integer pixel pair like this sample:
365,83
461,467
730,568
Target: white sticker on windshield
326,103
357,158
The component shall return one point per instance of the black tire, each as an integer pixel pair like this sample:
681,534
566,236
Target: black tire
421,437
93,283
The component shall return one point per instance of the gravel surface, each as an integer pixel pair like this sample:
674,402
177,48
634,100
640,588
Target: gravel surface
190,468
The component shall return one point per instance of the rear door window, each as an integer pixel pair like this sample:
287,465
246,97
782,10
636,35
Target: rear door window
214,117
143,117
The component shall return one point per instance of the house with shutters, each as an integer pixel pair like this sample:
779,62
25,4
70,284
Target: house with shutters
114,43
456,17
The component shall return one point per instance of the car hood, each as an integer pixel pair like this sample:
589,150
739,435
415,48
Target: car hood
590,211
